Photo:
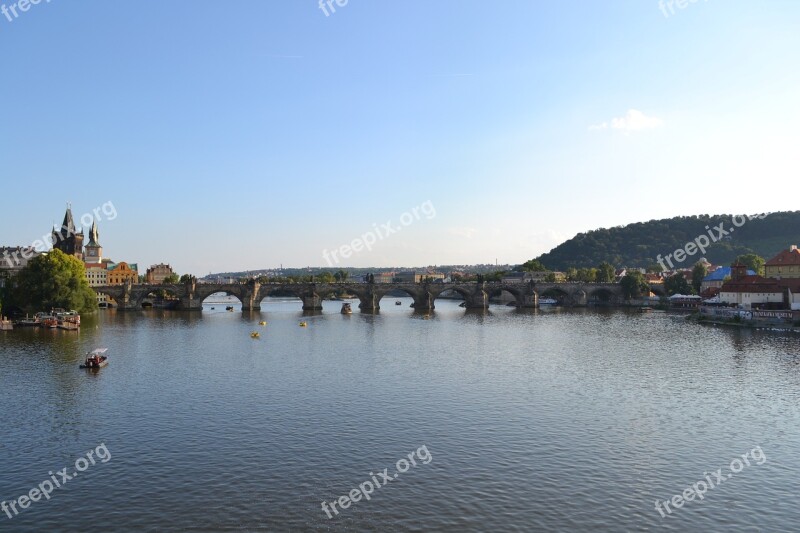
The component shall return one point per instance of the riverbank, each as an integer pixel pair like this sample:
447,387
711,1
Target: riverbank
763,320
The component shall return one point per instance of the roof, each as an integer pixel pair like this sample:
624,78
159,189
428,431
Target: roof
752,284
67,228
94,239
722,272
785,257
793,284
132,266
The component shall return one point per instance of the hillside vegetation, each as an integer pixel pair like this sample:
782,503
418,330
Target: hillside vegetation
638,245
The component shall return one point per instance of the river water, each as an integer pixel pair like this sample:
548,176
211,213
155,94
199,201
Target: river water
552,420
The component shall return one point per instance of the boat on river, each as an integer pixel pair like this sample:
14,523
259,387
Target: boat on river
49,321
347,309
67,316
97,358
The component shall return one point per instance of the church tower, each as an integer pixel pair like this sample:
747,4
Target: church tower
93,253
67,239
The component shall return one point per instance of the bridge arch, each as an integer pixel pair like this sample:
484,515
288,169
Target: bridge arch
461,291
602,296
556,293
167,295
218,294
110,296
494,291
380,294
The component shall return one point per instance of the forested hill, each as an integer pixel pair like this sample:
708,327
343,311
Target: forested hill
638,245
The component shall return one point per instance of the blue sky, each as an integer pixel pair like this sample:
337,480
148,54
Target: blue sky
247,134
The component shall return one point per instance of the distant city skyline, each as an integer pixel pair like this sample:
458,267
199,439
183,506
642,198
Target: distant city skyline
243,139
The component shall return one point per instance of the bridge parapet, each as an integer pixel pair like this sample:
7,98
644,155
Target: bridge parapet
476,295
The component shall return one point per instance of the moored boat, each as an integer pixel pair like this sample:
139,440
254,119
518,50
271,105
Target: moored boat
68,325
28,322
67,316
96,359
548,301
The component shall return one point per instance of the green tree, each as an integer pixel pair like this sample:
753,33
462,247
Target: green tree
52,280
550,277
655,268
341,276
699,272
171,279
534,265
677,284
572,274
587,275
634,285
754,262
605,273
494,276
186,278
324,277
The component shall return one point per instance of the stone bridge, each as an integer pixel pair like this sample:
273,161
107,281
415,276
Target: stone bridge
476,295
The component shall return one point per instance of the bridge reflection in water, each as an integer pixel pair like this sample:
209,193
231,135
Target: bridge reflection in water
476,295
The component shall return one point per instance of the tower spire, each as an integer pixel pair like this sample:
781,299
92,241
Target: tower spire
94,235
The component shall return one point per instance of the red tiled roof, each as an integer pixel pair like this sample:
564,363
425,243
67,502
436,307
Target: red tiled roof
785,257
792,284
752,284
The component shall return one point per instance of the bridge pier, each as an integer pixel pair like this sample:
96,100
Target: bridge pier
127,304
369,302
423,302
126,300
249,296
312,302
478,300
528,301
190,303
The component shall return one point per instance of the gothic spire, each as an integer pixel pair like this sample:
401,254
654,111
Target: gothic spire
94,238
